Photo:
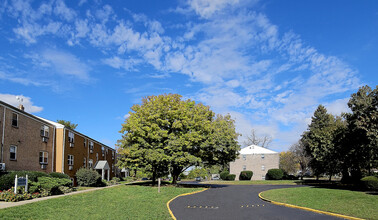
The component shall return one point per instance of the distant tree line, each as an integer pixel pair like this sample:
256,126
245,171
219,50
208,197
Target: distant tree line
346,144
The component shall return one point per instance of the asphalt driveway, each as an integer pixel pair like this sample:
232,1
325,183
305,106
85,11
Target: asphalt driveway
236,202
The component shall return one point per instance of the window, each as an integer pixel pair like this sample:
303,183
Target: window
85,162
262,177
112,168
96,156
71,137
262,156
90,163
43,157
15,120
70,160
85,141
91,146
262,167
13,153
244,157
244,167
103,151
44,131
113,155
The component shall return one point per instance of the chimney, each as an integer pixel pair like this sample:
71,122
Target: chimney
21,107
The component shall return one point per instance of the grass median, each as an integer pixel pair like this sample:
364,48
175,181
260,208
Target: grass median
345,202
121,202
254,182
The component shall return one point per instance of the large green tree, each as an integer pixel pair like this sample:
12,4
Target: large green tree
319,142
362,139
167,134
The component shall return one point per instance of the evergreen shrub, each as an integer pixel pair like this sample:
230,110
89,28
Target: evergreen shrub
245,175
231,177
88,177
274,174
370,182
224,174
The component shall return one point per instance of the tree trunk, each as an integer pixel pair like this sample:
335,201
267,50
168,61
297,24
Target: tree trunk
330,177
175,174
317,177
153,175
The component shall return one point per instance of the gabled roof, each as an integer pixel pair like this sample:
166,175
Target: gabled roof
102,164
254,149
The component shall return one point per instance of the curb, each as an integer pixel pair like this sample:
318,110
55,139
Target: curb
309,209
185,194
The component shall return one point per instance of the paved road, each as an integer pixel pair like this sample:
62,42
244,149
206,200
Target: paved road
236,202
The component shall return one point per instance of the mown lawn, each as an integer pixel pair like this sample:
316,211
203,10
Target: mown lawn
346,202
254,182
121,202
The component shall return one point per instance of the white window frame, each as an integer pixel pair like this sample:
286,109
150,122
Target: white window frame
90,163
45,131
262,167
70,160
91,146
103,150
244,157
15,152
262,156
244,167
85,162
71,137
113,154
96,157
44,153
15,120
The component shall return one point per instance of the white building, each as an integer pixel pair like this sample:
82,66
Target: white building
256,159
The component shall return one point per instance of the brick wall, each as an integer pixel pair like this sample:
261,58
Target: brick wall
259,164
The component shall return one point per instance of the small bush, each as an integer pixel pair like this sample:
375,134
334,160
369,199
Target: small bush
59,175
116,179
52,184
274,174
231,177
7,180
224,174
88,177
370,182
246,175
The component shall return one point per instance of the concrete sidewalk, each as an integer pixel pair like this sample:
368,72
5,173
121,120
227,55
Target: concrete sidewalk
4,205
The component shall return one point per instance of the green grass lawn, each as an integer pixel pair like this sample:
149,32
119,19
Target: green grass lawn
346,202
121,202
254,182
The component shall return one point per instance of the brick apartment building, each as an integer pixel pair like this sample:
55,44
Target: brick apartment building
256,159
32,143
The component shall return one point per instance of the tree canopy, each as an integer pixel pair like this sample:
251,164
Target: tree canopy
166,134
68,124
346,143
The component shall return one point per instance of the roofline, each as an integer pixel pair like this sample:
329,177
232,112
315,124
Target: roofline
52,123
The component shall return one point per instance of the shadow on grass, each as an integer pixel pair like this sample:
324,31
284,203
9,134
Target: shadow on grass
182,184
337,185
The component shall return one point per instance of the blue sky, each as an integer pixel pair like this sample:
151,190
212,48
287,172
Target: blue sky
267,63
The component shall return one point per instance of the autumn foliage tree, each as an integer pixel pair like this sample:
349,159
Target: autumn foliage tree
166,134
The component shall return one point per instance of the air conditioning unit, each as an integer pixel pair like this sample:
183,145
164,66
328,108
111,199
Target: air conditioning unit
45,139
91,151
43,166
71,144
2,166
70,167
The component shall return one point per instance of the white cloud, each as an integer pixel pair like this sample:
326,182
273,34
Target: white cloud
26,102
338,106
126,64
62,63
62,10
